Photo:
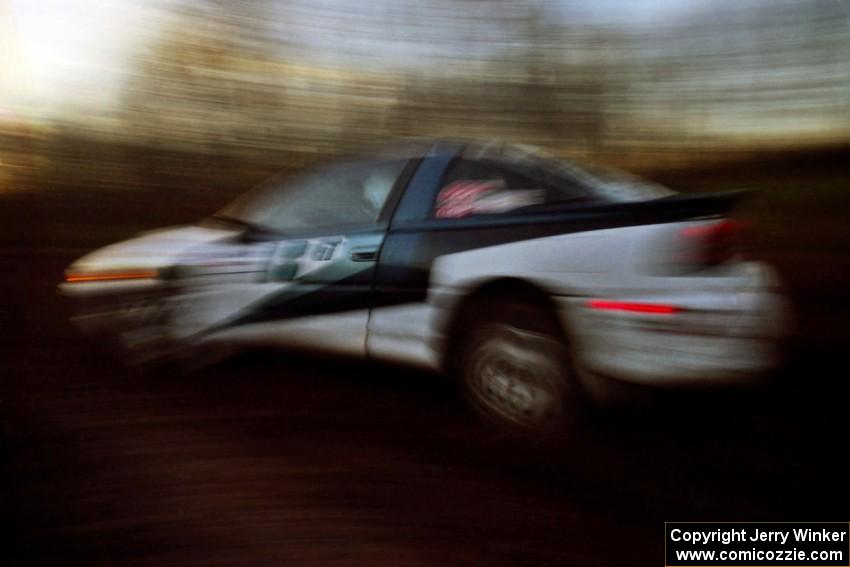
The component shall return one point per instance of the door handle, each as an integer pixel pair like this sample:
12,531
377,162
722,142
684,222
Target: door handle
364,255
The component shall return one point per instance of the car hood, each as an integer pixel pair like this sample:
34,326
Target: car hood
148,251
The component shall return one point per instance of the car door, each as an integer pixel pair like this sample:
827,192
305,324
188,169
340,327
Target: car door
301,273
455,203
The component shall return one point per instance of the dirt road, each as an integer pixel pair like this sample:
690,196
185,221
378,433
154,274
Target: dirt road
273,459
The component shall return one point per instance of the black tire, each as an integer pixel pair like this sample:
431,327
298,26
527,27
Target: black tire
514,367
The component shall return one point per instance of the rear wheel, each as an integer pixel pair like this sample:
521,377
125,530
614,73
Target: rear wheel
515,370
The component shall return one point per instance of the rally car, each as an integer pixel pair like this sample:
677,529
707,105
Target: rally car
528,278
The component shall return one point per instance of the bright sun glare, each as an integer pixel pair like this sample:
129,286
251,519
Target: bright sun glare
71,50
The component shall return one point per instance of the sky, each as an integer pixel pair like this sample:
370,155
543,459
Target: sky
83,47
57,55
73,46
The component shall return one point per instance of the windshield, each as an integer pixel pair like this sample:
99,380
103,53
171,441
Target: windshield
341,195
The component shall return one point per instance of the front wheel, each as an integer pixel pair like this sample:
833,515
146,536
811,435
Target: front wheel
516,373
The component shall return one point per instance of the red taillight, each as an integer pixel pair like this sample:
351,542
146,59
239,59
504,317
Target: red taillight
722,228
656,308
711,243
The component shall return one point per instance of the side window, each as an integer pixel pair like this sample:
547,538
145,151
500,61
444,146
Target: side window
353,194
472,187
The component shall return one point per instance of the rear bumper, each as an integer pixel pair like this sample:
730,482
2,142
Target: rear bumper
726,336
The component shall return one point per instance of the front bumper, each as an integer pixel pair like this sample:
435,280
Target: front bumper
132,318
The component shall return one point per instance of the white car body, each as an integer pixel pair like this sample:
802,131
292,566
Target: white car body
393,291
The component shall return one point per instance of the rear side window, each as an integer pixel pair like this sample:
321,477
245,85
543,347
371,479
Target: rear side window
480,187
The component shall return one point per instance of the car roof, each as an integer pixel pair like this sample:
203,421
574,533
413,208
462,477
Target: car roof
609,183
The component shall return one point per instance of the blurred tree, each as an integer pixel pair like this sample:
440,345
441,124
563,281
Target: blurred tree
198,86
538,85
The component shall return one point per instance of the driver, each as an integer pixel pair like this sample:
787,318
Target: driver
376,188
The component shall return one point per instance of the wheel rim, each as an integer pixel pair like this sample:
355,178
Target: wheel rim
515,377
